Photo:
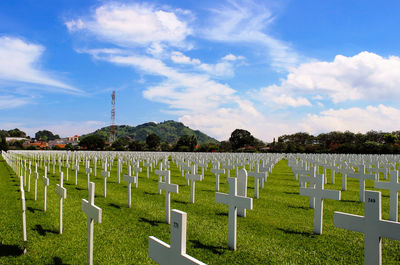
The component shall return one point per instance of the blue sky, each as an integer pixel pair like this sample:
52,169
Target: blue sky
270,67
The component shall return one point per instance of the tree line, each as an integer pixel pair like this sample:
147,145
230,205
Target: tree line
241,140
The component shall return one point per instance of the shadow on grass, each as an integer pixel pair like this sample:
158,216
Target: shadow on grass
150,193
181,202
222,214
57,261
77,188
299,207
214,249
42,231
33,210
150,222
114,205
208,190
287,192
10,250
350,201
293,232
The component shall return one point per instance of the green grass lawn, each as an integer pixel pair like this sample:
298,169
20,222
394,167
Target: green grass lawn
279,229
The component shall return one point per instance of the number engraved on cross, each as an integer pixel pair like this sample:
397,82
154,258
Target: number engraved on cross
371,200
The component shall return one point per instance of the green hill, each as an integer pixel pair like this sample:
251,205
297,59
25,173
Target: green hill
169,131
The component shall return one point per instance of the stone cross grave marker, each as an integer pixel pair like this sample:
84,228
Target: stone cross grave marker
136,171
371,225
46,182
168,188
217,171
95,166
147,165
119,170
319,194
309,176
24,235
394,187
228,168
130,179
29,176
257,176
233,201
36,179
88,170
175,253
362,176
62,194
242,189
93,213
345,172
105,174
193,177
186,167
66,168
76,168
160,172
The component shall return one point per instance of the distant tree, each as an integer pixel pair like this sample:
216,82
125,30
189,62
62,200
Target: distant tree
153,141
190,141
69,146
31,147
92,142
46,135
240,138
165,146
225,146
3,144
390,138
4,133
121,144
137,146
16,133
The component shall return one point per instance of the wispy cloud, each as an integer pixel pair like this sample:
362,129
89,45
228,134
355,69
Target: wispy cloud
19,62
10,102
247,22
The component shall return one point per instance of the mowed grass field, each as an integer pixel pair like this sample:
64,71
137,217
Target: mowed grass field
279,229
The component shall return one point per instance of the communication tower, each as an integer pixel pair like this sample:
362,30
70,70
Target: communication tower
112,126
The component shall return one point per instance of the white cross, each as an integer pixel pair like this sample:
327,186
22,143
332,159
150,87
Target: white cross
129,178
76,168
147,165
160,172
62,193
46,183
217,172
29,177
186,167
119,171
193,177
309,176
228,168
137,170
67,167
23,212
105,174
233,201
257,176
362,176
95,166
319,194
94,213
175,253
36,179
168,188
345,172
393,186
88,170
203,166
371,225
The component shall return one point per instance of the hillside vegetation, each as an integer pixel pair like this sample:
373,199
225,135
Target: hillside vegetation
169,131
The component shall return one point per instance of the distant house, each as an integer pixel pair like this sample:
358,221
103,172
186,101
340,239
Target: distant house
41,145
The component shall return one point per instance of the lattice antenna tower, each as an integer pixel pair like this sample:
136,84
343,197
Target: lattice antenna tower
112,126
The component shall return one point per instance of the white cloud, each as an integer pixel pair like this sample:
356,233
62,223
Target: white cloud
277,95
232,57
246,22
9,102
180,58
365,76
19,62
134,24
354,119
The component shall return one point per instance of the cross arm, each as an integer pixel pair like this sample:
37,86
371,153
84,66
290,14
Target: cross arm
221,198
92,211
61,191
244,202
168,187
349,221
389,229
331,194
